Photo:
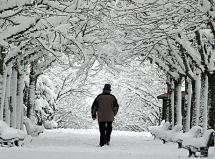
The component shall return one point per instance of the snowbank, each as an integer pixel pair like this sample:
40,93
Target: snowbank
198,142
155,130
50,124
194,132
10,133
32,129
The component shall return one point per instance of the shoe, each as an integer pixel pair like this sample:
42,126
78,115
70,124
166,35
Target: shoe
100,145
108,143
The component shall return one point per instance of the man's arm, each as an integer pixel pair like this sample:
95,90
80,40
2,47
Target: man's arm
115,106
94,108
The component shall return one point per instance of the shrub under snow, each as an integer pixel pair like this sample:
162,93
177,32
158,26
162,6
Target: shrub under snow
50,124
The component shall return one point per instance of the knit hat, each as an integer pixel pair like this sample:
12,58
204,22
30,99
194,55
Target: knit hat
107,87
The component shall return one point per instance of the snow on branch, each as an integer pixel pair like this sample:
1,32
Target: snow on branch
44,65
63,6
175,53
160,63
6,5
191,51
10,13
48,48
24,26
169,60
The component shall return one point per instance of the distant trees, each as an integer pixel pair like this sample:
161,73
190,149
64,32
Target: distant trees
176,35
36,33
180,40
30,40
137,89
134,88
72,96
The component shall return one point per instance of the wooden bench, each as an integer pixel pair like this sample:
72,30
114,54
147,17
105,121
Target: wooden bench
200,144
194,132
192,140
155,130
167,135
31,128
11,137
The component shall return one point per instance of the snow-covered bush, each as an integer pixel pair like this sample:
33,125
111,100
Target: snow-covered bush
72,105
31,128
45,99
50,124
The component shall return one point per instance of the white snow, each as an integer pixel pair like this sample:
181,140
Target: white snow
199,142
31,128
10,133
50,124
156,130
194,132
81,144
5,4
168,135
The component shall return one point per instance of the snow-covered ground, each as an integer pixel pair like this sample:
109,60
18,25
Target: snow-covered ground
82,144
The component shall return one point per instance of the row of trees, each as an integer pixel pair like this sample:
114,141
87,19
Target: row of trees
178,36
18,51
33,35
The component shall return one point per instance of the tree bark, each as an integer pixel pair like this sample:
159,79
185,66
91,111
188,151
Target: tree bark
13,95
31,94
3,92
197,99
178,102
192,104
172,99
20,108
204,102
187,105
7,100
211,101
3,75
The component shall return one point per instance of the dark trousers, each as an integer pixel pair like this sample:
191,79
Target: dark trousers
105,129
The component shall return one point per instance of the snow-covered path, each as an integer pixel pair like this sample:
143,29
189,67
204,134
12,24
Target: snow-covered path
82,144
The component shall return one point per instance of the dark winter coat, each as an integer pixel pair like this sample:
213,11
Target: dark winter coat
105,106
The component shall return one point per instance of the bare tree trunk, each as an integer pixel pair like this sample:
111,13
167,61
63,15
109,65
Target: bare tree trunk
13,94
193,103
3,92
31,94
178,103
20,108
3,75
7,101
197,99
188,98
211,101
168,102
204,101
172,99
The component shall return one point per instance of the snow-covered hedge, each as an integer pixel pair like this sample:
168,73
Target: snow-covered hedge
31,128
50,124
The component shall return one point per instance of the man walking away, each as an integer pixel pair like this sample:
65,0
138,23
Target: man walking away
105,107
